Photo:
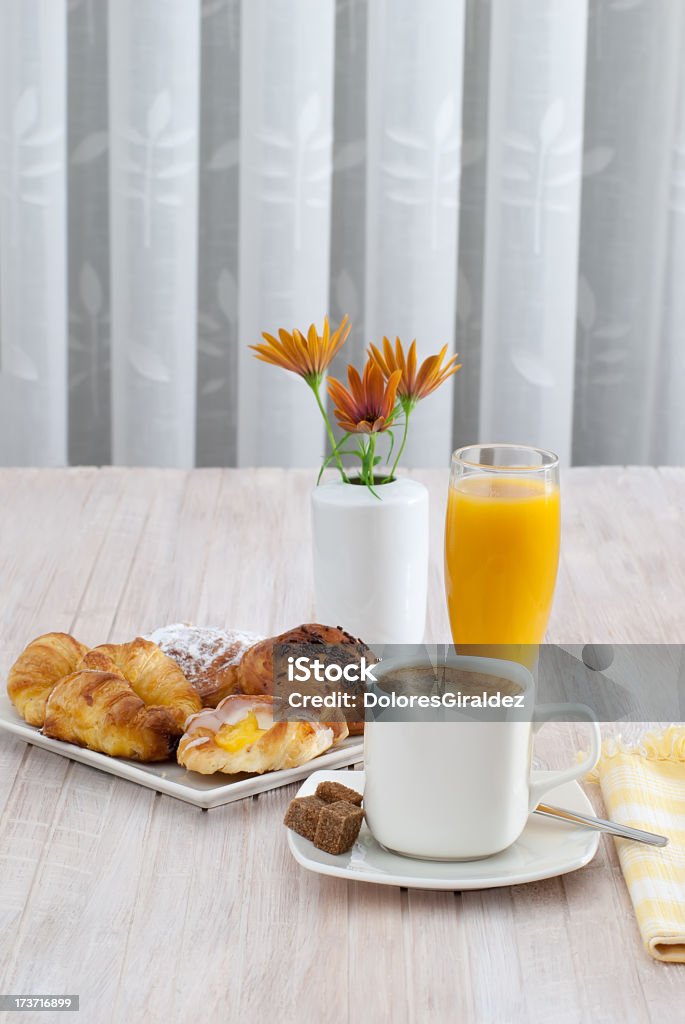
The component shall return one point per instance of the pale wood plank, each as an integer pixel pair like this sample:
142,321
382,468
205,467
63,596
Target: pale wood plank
12,753
62,540
111,566
292,935
241,552
27,826
77,915
618,541
606,944
439,963
145,601
34,548
545,953
497,983
210,952
166,885
183,560
437,622
378,955
293,592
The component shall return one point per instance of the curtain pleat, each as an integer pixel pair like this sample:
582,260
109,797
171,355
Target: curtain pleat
88,235
629,236
668,435
535,136
286,123
469,320
33,282
154,76
414,103
348,207
217,313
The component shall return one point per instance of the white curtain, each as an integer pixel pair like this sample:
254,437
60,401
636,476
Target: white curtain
154,65
33,268
532,217
504,176
414,81
286,135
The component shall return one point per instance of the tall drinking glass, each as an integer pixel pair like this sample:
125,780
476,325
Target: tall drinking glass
501,543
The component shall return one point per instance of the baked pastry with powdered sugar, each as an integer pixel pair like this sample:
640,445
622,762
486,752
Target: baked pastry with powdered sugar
207,656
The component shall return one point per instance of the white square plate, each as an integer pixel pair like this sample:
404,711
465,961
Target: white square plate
544,849
170,778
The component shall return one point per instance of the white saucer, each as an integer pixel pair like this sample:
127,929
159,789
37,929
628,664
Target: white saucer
545,849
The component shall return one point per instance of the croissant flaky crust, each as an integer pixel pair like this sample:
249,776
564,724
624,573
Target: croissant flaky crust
39,668
242,736
100,710
154,677
256,669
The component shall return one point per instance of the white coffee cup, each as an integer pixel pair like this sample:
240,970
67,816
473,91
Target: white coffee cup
460,788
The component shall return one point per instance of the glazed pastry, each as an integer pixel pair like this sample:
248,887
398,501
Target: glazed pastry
242,736
100,710
154,678
255,672
208,658
32,678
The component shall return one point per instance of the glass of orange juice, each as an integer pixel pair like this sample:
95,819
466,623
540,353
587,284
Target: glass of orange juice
501,543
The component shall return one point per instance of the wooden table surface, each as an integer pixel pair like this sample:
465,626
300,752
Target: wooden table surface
153,911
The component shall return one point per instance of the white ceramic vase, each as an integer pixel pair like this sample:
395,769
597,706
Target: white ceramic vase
371,559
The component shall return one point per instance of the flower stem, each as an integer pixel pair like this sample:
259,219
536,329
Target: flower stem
329,431
368,465
399,454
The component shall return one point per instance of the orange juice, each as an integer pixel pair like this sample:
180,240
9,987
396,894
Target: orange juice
501,557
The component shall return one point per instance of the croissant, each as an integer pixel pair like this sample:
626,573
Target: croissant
32,678
208,658
256,669
152,676
100,710
242,736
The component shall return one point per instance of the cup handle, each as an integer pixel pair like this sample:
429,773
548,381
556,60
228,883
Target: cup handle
547,713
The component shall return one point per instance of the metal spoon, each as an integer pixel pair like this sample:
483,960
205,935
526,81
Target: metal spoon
601,825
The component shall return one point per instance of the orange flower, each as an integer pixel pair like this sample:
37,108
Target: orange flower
413,386
308,357
368,406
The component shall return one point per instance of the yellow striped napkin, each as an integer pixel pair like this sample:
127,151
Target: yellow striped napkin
644,786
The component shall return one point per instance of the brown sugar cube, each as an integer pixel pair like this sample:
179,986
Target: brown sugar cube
303,814
338,827
331,792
